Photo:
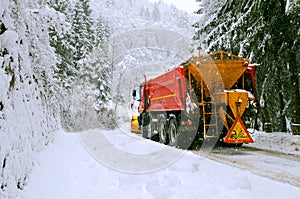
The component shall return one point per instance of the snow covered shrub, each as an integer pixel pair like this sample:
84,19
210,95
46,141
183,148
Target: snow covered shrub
88,101
82,112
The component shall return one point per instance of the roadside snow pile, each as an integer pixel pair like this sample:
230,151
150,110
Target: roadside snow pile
67,170
277,141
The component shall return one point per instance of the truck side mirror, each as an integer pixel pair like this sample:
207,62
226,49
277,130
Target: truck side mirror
134,93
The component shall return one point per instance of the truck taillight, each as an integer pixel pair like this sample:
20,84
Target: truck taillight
189,123
140,109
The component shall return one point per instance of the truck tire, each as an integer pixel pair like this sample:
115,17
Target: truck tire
173,133
146,125
146,131
162,132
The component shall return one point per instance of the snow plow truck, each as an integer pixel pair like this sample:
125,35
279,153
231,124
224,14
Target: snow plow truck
203,98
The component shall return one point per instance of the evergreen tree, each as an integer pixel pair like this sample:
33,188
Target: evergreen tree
142,12
82,29
292,51
182,19
147,14
95,70
278,46
60,35
156,12
102,33
103,94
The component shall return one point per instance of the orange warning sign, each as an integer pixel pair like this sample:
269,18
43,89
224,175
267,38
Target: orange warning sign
238,133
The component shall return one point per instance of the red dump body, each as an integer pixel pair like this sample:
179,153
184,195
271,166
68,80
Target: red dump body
206,95
166,92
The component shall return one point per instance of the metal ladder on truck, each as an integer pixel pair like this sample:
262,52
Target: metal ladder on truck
208,107
210,116
210,120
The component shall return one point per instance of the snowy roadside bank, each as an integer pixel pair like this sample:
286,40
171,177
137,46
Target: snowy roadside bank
278,142
68,170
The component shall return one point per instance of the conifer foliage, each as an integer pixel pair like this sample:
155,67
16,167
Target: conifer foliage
82,35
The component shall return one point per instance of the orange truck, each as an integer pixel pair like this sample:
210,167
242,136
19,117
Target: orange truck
203,98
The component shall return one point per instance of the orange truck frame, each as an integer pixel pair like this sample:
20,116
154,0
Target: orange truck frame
203,98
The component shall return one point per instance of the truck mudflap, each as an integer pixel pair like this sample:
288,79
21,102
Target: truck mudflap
238,133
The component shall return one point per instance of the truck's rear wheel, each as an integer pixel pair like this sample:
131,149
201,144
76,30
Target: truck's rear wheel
146,125
173,133
146,131
162,131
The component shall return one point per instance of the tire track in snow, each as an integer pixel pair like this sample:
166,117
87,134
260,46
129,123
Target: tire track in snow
274,165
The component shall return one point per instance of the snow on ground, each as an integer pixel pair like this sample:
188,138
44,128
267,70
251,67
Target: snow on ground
70,168
277,141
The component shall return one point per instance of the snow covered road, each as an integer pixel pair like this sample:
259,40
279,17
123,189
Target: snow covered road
277,166
70,169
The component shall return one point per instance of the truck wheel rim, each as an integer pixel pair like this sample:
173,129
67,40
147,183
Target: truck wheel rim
162,133
173,133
